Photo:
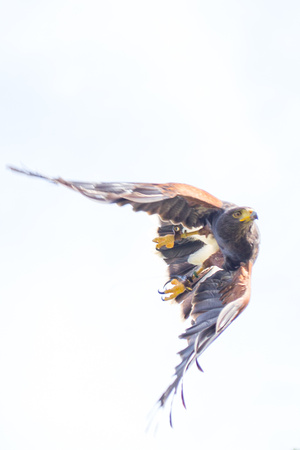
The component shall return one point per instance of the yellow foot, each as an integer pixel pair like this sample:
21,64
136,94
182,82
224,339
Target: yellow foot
167,240
177,289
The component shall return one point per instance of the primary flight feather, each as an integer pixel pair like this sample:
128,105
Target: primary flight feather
209,246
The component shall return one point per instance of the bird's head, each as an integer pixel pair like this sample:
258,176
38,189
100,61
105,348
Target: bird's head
236,233
235,221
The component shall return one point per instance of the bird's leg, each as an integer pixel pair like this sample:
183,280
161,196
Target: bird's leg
181,284
169,239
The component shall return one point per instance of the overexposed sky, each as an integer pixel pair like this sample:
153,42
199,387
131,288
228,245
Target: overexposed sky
205,93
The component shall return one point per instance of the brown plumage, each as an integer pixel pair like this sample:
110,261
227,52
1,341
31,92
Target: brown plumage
209,246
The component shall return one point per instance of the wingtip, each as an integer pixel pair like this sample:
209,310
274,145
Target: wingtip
13,168
31,174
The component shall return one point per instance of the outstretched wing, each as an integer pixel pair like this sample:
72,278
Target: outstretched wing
178,203
219,297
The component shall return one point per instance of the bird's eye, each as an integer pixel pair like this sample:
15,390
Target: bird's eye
237,214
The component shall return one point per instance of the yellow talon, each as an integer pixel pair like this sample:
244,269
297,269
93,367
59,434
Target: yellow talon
178,289
167,241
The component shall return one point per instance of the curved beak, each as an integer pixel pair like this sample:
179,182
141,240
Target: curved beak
253,215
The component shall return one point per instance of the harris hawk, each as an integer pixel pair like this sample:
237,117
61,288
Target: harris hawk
209,246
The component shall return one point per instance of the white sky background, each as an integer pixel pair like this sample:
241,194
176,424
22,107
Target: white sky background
205,93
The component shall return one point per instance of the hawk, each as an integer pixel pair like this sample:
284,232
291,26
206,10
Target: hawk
209,246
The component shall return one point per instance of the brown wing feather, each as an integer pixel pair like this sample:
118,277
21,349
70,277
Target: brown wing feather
179,203
235,296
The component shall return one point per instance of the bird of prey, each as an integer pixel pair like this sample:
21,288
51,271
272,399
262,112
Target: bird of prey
209,246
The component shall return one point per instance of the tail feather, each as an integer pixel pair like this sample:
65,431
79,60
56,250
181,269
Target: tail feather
200,334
